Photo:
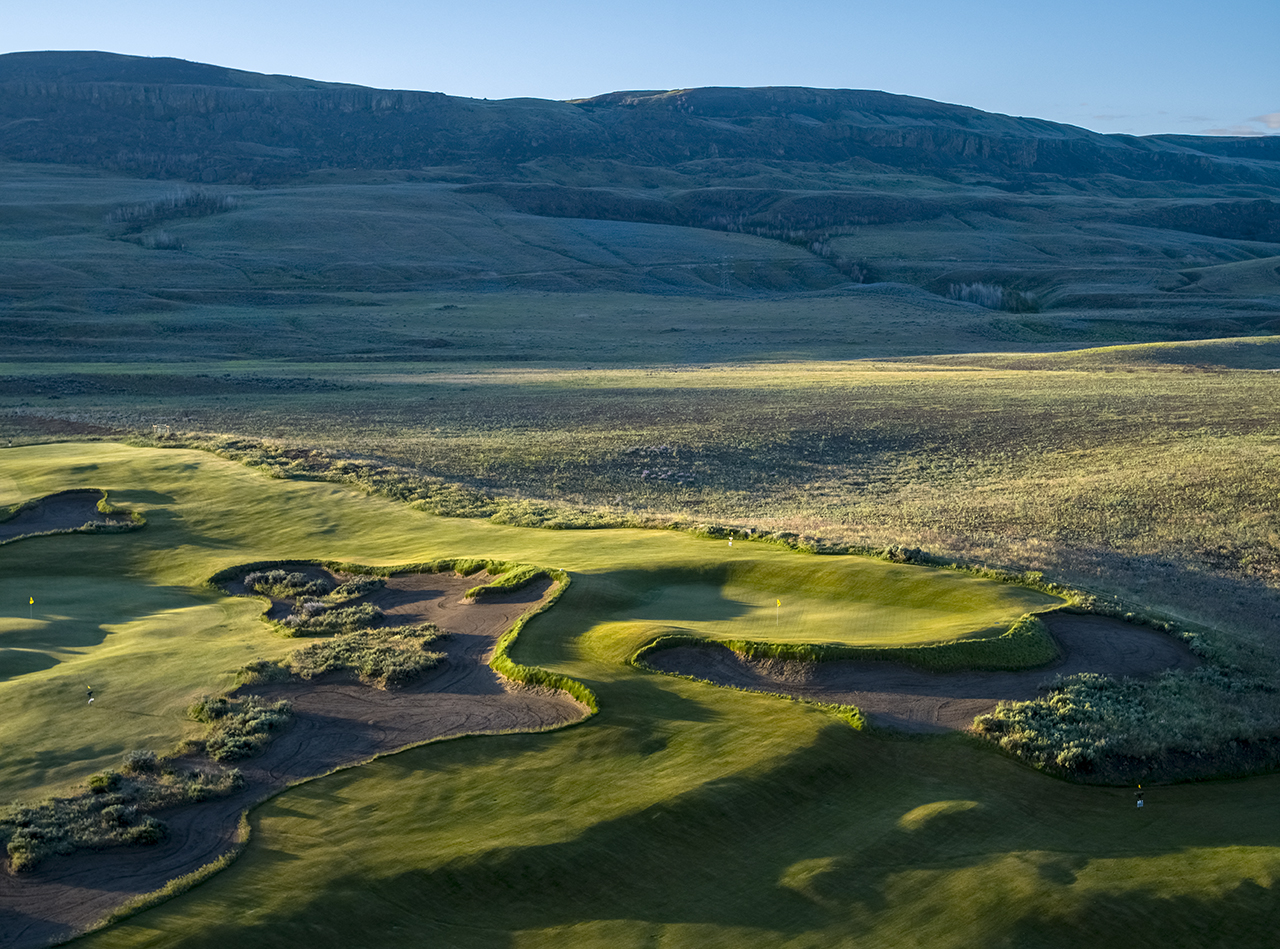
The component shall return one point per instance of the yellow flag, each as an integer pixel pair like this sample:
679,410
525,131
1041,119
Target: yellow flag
31,601
779,602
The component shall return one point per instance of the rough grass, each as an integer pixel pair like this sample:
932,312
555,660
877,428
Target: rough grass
785,824
329,622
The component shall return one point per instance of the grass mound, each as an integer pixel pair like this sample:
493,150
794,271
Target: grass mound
512,578
113,809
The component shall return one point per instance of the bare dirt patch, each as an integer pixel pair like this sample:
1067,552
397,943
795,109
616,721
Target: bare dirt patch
336,723
59,513
907,699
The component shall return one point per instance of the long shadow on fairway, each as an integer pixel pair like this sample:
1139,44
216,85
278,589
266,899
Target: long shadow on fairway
813,844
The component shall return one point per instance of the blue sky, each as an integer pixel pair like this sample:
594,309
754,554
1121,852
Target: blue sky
1134,66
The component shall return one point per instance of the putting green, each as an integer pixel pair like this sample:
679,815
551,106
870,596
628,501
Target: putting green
681,815
845,600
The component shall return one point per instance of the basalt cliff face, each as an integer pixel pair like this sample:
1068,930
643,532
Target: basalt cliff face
172,118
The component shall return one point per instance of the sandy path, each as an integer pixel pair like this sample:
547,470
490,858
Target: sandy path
64,511
896,696
336,723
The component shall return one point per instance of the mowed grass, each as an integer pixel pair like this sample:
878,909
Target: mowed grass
681,815
850,601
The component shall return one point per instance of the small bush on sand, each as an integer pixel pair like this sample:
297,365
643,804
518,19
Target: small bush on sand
356,587
245,729
344,619
113,809
209,709
383,657
140,762
281,585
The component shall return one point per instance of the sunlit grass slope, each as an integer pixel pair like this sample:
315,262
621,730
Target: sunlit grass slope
850,600
681,815
128,615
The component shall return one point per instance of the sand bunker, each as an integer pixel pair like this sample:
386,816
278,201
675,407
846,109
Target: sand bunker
336,723
896,696
59,513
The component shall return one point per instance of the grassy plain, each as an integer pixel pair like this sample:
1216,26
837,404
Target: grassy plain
682,814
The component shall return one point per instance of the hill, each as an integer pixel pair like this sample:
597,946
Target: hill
172,117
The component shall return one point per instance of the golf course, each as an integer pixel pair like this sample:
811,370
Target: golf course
810,825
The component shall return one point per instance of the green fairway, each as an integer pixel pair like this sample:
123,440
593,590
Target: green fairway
851,601
681,815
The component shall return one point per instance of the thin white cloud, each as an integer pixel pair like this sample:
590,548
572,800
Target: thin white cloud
1271,120
1234,130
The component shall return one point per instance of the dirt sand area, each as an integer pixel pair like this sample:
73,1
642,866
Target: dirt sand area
336,723
897,696
58,513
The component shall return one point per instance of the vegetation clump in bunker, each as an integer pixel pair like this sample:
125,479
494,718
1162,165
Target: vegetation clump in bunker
114,808
386,658
239,728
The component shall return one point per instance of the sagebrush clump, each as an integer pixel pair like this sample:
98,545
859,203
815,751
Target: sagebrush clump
311,620
113,809
386,658
239,728
281,584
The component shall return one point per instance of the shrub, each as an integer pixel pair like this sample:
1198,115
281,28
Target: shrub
280,584
104,782
343,619
140,762
112,810
356,587
260,671
383,657
209,709
246,728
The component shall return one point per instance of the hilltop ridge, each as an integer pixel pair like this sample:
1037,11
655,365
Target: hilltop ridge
173,118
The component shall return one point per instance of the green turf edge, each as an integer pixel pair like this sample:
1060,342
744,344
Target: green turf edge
188,881
178,885
504,665
1027,644
851,715
136,520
